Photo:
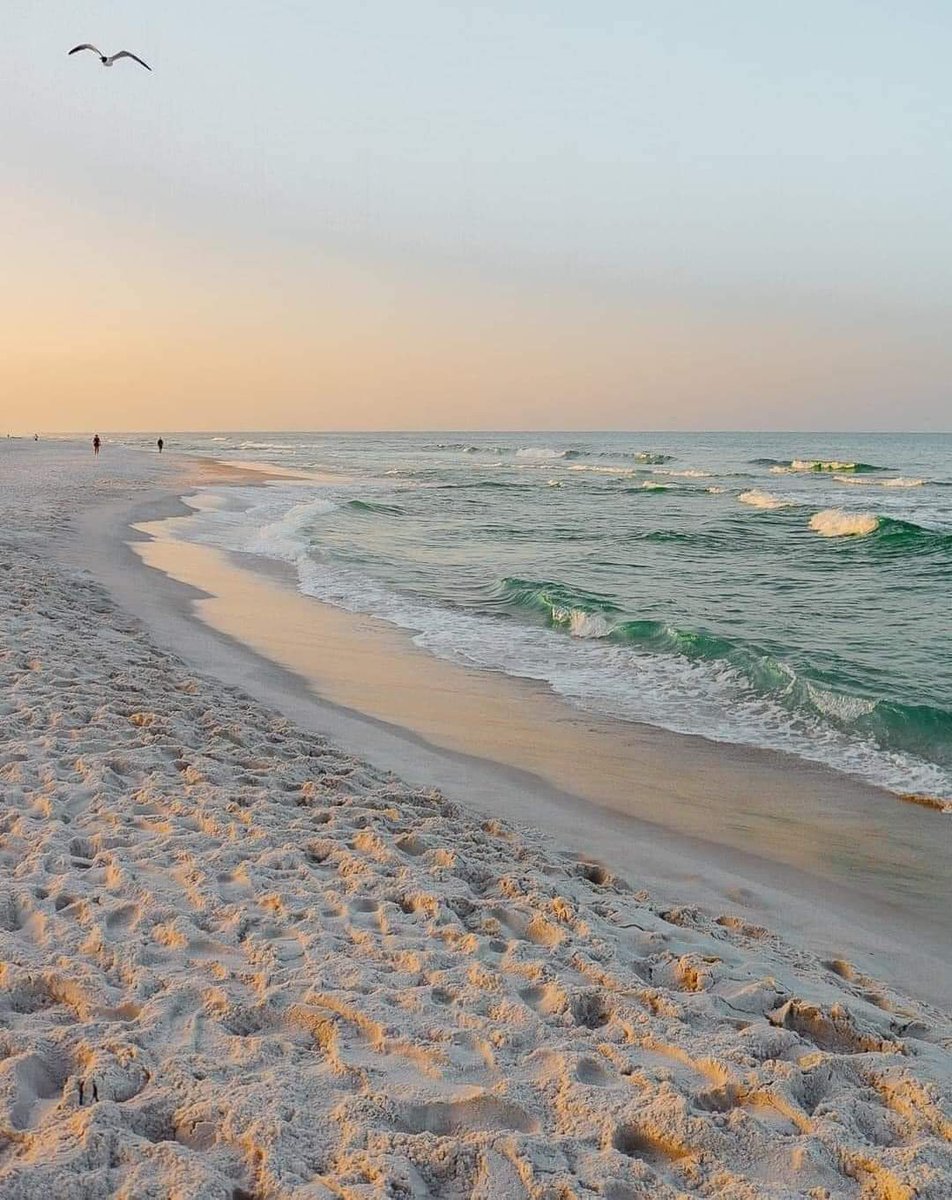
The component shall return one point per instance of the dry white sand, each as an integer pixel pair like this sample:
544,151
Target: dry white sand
237,962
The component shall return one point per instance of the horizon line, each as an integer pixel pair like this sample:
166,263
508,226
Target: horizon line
64,434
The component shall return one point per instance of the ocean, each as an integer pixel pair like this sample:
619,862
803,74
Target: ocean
786,591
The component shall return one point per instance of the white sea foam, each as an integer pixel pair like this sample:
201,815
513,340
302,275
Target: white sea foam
865,481
816,465
837,704
834,522
819,464
582,624
286,537
758,499
591,469
542,452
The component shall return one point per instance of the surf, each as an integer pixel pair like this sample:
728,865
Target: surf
920,729
882,531
815,465
758,499
736,589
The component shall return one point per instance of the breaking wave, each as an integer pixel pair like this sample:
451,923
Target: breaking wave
545,453
834,522
285,537
783,465
758,499
896,727
886,533
652,458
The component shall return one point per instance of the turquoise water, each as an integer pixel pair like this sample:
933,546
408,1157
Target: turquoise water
780,590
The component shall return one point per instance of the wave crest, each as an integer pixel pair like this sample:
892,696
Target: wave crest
283,538
908,728
781,466
545,453
834,522
758,499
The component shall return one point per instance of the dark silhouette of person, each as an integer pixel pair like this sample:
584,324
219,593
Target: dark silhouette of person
96,444
160,444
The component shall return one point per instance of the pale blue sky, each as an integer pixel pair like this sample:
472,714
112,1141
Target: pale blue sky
733,161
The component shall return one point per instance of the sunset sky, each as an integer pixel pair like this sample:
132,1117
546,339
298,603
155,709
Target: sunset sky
609,214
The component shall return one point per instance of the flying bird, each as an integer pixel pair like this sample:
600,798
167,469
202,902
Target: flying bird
108,59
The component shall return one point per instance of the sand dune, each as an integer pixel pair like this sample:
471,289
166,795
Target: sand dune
237,962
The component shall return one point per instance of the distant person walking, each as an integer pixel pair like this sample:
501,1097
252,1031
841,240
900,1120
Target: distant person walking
160,444
96,444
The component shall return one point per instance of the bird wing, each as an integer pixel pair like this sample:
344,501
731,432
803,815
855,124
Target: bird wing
86,46
135,57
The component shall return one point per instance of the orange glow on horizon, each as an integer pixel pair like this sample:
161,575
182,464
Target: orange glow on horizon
123,330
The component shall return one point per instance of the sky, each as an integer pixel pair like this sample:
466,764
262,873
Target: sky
722,214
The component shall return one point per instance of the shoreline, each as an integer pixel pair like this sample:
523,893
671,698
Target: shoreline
868,909
237,959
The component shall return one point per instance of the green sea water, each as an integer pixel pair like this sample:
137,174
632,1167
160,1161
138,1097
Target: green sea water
789,591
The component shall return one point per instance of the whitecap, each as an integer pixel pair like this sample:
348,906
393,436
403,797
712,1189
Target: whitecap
838,704
582,624
540,452
820,464
283,538
834,522
758,499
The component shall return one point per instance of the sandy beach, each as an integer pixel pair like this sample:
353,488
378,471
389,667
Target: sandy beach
269,929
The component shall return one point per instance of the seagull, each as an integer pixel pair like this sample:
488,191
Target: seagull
108,59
